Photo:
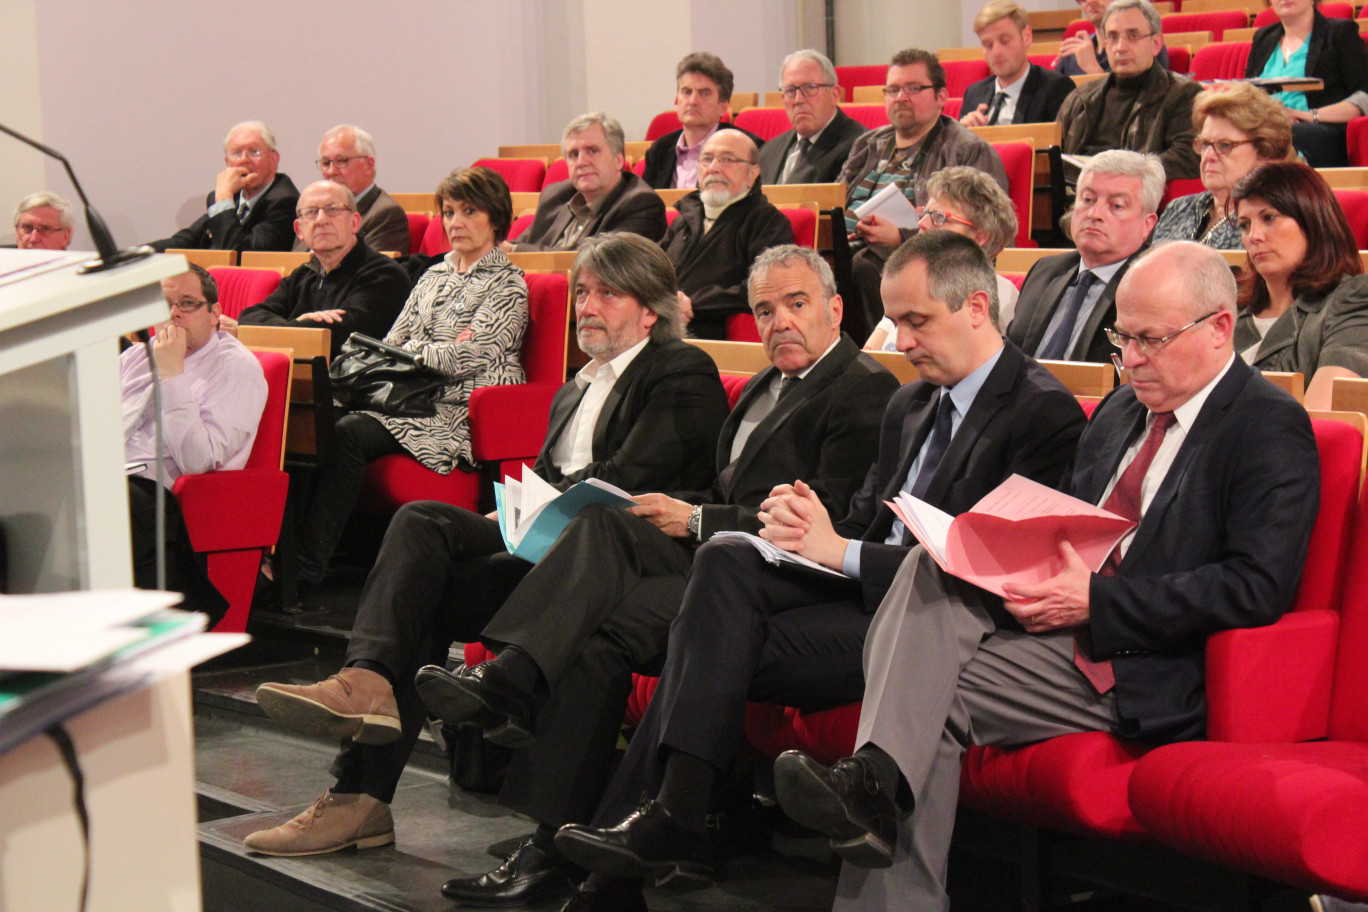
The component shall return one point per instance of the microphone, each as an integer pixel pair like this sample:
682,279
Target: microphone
110,254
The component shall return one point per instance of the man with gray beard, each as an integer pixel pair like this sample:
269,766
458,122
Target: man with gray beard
722,227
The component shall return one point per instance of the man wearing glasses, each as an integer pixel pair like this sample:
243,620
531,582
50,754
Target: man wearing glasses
42,221
345,286
212,392
347,156
1140,106
1084,52
1223,525
722,227
814,151
252,206
919,141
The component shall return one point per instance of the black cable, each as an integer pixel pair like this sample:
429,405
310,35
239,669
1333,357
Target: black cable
59,736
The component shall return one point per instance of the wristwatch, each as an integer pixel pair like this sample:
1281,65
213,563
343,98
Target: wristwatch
694,525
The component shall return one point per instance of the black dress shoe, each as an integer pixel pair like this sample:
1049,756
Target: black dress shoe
480,696
846,803
647,843
609,897
529,874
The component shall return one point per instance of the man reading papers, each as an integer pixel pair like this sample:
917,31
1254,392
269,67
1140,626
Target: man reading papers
749,630
644,414
1220,470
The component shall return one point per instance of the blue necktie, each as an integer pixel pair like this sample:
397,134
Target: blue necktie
936,446
1057,348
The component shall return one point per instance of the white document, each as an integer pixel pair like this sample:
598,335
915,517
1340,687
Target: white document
775,555
890,205
67,631
531,496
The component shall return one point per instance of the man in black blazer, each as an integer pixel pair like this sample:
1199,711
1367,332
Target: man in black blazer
702,97
815,150
1018,91
644,415
252,207
598,606
600,196
1068,301
1220,470
794,636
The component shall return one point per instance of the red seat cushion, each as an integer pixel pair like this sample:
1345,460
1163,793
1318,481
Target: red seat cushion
240,287
1215,22
1220,60
765,123
397,479
556,172
418,225
851,77
523,175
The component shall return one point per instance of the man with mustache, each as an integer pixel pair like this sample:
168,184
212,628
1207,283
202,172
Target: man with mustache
599,605
644,415
722,227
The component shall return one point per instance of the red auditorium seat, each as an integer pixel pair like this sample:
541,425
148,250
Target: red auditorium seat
1078,25
418,225
765,123
233,516
1183,186
240,287
434,239
520,224
953,106
1355,206
1180,59
523,175
1333,10
1215,22
1357,139
507,423
1220,60
960,74
852,77
668,122
556,172
871,115
1018,159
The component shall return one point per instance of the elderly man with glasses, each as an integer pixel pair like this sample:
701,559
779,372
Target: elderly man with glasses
1140,106
345,286
814,151
919,141
42,221
346,156
251,206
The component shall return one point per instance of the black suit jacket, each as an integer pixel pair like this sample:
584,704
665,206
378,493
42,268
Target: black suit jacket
1041,96
1334,53
823,163
824,431
1221,545
660,157
269,225
1023,421
630,206
1044,290
658,428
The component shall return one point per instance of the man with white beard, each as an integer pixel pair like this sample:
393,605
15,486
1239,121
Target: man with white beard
721,228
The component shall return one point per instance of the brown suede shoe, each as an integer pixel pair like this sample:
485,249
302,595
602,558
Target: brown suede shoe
331,823
354,703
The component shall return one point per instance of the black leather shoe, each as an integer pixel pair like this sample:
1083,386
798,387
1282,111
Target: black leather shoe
647,843
528,875
611,897
846,802
480,696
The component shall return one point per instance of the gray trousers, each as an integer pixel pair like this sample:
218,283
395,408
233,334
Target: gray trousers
940,675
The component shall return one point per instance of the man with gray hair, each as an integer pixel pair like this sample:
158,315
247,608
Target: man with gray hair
815,150
347,156
252,205
1140,105
643,414
750,630
42,221
1068,300
600,196
1223,522
616,577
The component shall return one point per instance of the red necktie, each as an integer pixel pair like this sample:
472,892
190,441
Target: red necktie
1125,502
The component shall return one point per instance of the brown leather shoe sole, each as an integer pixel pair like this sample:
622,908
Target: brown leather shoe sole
313,718
363,842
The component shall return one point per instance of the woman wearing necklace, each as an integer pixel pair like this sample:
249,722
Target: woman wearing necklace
1303,42
1238,127
1303,298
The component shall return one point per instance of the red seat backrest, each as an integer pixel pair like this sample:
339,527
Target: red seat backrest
434,239
953,106
270,437
734,384
961,74
520,224
1216,22
1355,206
765,123
418,224
804,223
1078,25
668,122
671,213
1357,138
1018,159
523,175
851,77
741,328
1180,59
871,115
1220,60
1043,60
1333,10
1349,692
240,287
1183,186
543,350
1341,452
556,172
639,167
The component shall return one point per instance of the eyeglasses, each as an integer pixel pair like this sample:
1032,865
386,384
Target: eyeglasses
937,218
808,89
1223,147
240,154
325,163
726,161
310,213
1131,37
188,306
1148,345
31,228
910,89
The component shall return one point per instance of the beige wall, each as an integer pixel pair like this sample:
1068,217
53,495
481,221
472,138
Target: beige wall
20,109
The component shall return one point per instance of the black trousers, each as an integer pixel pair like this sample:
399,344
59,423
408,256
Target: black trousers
746,630
185,570
1325,145
866,268
441,574
361,439
596,608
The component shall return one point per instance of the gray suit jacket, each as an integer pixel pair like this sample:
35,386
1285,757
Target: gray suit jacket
1315,332
630,206
823,162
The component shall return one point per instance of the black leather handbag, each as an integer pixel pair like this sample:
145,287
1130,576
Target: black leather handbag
369,375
